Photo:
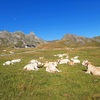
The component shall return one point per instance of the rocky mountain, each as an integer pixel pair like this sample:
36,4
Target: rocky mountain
75,40
97,38
70,40
19,39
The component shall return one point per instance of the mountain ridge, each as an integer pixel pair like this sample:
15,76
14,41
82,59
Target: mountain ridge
71,40
19,39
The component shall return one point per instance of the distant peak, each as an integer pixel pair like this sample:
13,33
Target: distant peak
72,36
68,36
32,33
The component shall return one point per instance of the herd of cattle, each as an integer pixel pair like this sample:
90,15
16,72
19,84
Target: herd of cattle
52,66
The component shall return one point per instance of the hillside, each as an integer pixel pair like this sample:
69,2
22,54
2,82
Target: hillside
72,83
74,40
97,38
70,40
19,39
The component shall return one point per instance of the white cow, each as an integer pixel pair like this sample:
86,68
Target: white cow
76,57
15,61
75,60
41,57
91,69
31,67
11,52
62,55
50,63
51,67
36,61
7,63
63,61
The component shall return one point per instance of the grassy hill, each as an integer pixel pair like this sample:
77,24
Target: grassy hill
63,44
70,84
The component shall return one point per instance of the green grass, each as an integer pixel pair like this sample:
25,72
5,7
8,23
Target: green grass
71,84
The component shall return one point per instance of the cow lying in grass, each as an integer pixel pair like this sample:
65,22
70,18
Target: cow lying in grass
15,61
51,67
7,63
31,67
75,60
12,62
63,61
90,68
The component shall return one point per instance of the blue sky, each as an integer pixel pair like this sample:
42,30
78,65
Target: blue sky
51,19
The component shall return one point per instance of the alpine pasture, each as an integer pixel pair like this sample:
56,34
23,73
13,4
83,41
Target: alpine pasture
72,83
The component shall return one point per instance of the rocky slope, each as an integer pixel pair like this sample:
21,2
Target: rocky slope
70,40
19,39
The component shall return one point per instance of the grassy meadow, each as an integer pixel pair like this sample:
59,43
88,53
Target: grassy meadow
70,84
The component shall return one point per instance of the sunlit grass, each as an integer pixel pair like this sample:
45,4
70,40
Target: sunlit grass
70,84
